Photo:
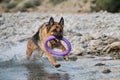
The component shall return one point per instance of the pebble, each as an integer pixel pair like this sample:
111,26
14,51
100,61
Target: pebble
99,64
106,71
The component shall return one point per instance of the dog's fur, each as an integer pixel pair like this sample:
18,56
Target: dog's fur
47,29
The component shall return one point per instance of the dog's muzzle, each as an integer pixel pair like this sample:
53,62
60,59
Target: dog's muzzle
59,36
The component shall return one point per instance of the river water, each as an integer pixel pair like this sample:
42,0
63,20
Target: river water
14,66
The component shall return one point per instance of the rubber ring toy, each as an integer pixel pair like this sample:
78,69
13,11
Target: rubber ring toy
55,52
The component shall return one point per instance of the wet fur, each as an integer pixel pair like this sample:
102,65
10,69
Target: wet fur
47,29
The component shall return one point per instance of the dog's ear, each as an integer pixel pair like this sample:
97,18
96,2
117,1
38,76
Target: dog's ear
61,22
51,21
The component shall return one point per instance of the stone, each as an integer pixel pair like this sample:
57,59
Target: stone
99,64
106,71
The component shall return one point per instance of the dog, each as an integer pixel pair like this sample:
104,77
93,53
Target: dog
37,41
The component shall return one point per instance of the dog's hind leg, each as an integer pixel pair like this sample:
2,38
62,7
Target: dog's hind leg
30,47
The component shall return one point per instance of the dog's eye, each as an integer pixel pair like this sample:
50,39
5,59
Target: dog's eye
54,30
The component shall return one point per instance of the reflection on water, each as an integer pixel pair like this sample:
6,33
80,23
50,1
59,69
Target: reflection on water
11,70
13,66
37,72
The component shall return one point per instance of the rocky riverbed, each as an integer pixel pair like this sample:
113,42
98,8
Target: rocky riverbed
95,40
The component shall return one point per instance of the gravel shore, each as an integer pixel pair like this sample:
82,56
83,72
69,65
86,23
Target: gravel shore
83,30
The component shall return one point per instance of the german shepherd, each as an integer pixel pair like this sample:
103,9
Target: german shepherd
37,41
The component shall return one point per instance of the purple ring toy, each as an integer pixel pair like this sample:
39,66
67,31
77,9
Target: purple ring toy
55,52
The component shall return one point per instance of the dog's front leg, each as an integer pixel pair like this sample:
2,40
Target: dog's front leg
64,49
51,59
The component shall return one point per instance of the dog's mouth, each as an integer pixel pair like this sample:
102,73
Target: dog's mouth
58,37
56,40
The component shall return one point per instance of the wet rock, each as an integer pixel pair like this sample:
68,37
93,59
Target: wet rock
114,47
99,64
115,55
73,58
106,71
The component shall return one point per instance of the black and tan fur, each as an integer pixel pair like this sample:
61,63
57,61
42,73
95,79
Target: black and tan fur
47,29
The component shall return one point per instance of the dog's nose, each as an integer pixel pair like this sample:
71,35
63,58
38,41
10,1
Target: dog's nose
59,36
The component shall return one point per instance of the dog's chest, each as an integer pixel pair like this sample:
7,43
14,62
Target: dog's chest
53,44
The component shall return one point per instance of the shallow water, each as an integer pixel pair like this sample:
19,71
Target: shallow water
14,66
28,71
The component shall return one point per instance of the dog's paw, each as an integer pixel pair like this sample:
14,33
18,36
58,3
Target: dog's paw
57,65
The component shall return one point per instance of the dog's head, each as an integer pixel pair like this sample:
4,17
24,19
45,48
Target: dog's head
55,28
